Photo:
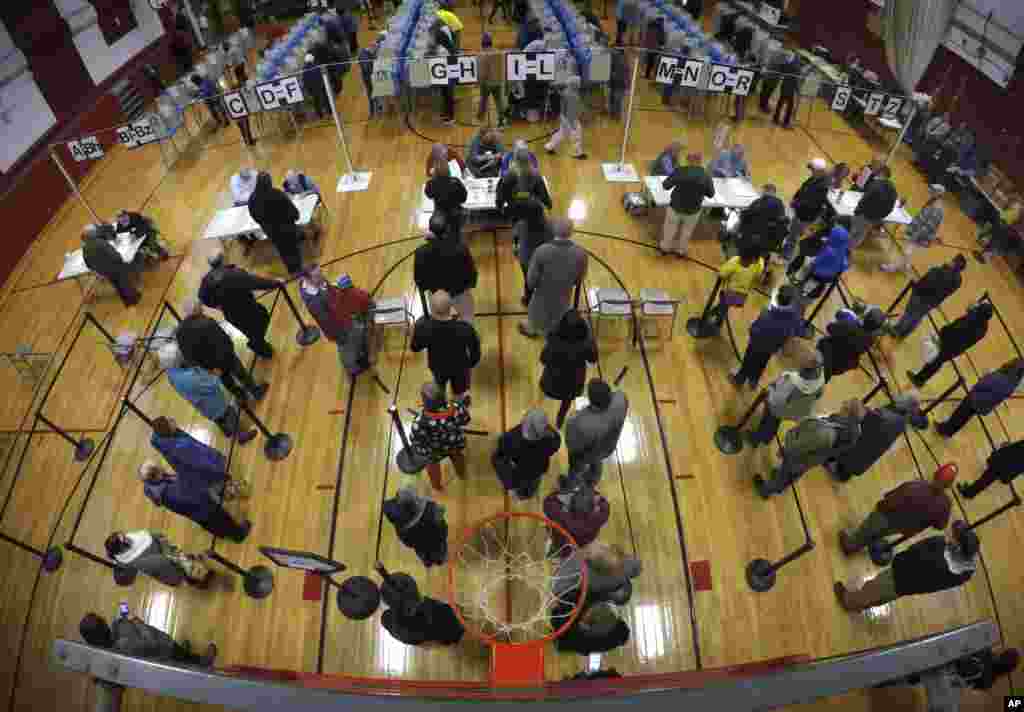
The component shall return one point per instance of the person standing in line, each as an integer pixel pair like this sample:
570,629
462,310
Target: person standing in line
938,284
492,79
619,80
530,232
414,619
449,195
102,257
879,430
235,78
427,258
738,276
521,183
690,185
207,90
592,434
313,87
778,323
196,463
1005,464
229,288
985,396
438,430
568,350
569,125
276,215
203,390
597,630
997,234
456,274
452,344
812,442
610,573
524,453
419,523
922,232
846,340
440,153
906,510
581,510
556,269
204,343
927,566
955,339
342,311
763,226
878,201
808,204
191,500
791,396
132,636
788,92
152,554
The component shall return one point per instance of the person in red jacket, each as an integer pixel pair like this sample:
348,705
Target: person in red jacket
342,311
581,512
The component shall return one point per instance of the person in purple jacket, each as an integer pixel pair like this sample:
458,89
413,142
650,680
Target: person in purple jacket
984,397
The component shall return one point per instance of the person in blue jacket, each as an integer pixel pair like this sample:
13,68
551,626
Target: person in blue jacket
831,261
776,325
984,397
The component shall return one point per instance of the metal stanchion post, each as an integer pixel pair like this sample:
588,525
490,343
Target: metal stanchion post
133,408
761,572
700,327
83,447
258,582
123,576
899,298
277,447
90,318
729,438
821,302
51,558
307,334
943,396
353,180
1015,502
74,186
623,172
872,393
407,460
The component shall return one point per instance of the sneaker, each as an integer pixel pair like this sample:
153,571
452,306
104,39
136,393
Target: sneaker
260,391
247,436
550,150
844,543
735,378
246,528
840,590
211,655
961,488
890,267
759,485
914,379
448,120
525,331
580,157
980,256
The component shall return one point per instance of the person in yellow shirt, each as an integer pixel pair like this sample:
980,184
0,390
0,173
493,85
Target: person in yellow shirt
445,15
738,276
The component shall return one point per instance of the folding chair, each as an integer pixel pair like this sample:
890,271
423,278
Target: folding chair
657,304
609,303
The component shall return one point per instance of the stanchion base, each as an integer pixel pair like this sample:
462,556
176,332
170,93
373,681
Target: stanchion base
353,182
258,582
123,576
620,173
278,447
880,552
409,463
729,440
307,335
53,559
760,575
700,329
84,449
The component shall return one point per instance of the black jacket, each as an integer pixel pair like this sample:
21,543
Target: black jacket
204,343
446,264
433,622
960,335
229,289
103,258
452,345
763,223
428,537
692,184
529,458
275,213
878,201
579,640
810,200
937,285
565,356
1008,461
842,347
879,430
513,189
447,192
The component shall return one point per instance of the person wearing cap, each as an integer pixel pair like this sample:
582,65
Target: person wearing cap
907,510
419,523
529,232
875,205
438,430
313,87
808,203
846,340
229,288
204,343
690,185
452,344
102,257
203,390
879,430
556,268
491,69
569,126
791,397
938,284
955,339
985,396
342,311
579,509
938,563
812,442
134,637
524,453
592,433
922,231
567,351
277,216
1004,465
774,327
414,619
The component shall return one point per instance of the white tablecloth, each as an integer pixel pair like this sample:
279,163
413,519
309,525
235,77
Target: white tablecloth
729,192
236,222
845,205
126,245
483,195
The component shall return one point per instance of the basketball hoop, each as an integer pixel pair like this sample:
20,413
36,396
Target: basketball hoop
505,587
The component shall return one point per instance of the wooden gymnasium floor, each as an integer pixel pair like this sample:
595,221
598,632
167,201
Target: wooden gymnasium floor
675,501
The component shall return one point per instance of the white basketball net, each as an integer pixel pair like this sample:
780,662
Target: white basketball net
511,584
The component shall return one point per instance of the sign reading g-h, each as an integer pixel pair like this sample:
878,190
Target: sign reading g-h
452,70
280,92
685,74
724,78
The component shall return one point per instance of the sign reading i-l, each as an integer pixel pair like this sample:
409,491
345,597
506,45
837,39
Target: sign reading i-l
520,66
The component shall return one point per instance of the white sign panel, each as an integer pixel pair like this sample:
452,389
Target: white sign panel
770,14
530,65
893,106
685,74
278,93
452,70
724,78
235,105
85,149
874,104
383,79
842,98
135,134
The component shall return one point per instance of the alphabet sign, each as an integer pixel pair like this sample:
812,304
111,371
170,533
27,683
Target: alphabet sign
874,104
686,74
135,134
452,70
278,93
841,98
87,148
724,78
234,103
530,65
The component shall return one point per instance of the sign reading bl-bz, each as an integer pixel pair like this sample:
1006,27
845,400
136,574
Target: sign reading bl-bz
685,74
135,134
278,93
530,65
87,148
235,104
724,78
452,70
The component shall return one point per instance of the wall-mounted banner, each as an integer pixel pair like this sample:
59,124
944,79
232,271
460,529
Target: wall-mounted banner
87,148
452,70
530,65
280,92
235,105
723,78
684,74
135,134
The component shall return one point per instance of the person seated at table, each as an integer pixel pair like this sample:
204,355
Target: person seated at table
243,184
730,163
296,183
521,183
668,160
102,257
440,153
138,225
484,154
519,145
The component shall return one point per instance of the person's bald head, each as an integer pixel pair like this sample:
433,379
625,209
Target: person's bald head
561,228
